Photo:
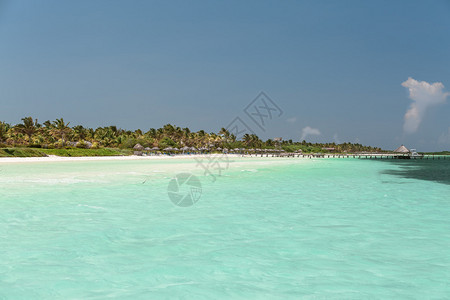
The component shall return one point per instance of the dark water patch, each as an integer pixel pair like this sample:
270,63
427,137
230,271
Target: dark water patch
396,182
421,169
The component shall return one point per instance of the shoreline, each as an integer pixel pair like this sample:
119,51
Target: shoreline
55,158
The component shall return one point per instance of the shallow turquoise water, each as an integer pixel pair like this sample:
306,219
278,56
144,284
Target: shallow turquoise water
280,229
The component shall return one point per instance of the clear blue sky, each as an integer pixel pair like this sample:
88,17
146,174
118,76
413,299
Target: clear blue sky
336,66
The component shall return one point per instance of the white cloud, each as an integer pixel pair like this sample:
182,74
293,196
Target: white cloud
291,120
309,131
423,95
445,137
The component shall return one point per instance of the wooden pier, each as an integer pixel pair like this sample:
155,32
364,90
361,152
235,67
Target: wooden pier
358,156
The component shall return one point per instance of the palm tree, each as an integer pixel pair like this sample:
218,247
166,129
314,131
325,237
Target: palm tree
30,131
168,130
4,127
28,127
151,133
61,129
80,132
224,132
255,141
48,124
247,139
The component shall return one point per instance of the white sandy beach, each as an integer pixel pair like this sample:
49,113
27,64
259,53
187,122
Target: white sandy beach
54,158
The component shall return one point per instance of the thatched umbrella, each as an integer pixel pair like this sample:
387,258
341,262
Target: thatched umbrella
138,147
155,148
168,149
402,149
185,148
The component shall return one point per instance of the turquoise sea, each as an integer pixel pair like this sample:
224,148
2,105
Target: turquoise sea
268,228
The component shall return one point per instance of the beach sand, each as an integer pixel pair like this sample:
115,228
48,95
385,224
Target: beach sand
54,158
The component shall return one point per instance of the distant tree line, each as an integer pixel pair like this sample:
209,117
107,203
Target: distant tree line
58,134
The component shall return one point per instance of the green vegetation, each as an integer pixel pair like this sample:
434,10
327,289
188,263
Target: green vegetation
75,152
30,138
20,152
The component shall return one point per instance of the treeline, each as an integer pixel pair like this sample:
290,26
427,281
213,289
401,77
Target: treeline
58,135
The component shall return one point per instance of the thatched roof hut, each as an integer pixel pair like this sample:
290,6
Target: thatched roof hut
138,147
402,149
